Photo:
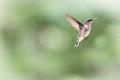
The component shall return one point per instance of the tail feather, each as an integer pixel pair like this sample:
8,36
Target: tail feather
78,41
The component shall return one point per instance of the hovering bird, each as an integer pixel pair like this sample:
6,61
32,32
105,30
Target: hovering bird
83,30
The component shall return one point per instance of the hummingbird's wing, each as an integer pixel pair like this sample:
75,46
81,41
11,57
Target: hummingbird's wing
75,24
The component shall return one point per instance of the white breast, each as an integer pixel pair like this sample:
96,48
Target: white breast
88,30
86,26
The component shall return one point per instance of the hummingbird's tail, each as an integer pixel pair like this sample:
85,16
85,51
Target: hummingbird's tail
78,41
76,44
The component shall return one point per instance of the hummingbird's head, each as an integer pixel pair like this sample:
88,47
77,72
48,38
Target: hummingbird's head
92,19
89,20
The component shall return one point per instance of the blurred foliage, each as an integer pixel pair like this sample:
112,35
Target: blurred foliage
36,41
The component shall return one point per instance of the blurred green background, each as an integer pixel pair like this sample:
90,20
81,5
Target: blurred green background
37,42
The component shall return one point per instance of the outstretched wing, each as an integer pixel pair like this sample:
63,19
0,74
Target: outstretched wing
75,24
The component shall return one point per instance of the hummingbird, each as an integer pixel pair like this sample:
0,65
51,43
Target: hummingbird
83,30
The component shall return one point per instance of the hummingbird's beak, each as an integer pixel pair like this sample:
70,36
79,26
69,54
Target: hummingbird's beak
96,18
